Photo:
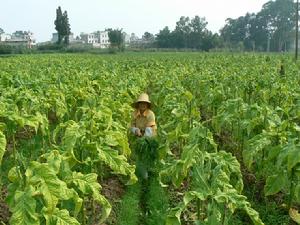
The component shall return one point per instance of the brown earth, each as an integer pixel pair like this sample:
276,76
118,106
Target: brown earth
4,211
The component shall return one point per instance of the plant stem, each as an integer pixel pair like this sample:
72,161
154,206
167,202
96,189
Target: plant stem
224,214
83,212
17,163
198,209
93,211
292,188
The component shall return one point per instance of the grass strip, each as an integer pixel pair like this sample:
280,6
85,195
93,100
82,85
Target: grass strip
157,203
130,210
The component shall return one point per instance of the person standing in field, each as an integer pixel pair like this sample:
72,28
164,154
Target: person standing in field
143,119
143,126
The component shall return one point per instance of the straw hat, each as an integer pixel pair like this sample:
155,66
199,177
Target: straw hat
142,98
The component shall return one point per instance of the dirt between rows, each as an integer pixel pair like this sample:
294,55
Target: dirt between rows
4,211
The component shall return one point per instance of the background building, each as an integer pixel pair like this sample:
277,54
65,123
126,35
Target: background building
98,39
23,38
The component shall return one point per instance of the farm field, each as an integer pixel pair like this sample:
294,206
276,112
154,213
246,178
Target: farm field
228,139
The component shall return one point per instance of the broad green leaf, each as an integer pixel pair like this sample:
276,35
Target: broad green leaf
214,216
88,184
254,216
231,166
275,183
18,120
297,192
23,210
50,186
113,138
179,170
293,157
118,163
188,95
188,197
200,135
2,145
13,174
54,159
173,217
254,146
191,195
201,183
72,133
32,121
273,152
172,220
59,217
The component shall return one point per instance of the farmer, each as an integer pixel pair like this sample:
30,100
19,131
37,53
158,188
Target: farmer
143,119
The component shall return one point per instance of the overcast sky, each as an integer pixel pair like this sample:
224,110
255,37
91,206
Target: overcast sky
134,16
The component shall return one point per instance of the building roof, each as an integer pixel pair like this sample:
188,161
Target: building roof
17,40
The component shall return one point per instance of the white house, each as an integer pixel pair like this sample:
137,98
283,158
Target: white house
88,38
24,38
98,39
133,37
103,39
126,38
4,37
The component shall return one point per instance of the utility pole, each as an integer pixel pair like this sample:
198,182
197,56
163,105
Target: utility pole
297,29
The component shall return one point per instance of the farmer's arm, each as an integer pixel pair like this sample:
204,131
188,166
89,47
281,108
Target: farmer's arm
151,125
134,130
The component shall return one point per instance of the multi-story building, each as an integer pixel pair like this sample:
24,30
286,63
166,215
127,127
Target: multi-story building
98,39
103,39
88,38
126,39
4,37
24,38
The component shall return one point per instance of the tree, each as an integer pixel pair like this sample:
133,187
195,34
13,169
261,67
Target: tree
62,26
181,32
148,37
210,40
270,29
116,38
279,16
1,31
188,34
235,30
164,38
258,33
198,32
148,40
66,28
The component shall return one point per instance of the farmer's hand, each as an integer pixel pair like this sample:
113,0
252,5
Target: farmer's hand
138,133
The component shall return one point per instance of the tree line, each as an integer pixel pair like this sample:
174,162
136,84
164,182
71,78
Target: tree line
188,33
271,29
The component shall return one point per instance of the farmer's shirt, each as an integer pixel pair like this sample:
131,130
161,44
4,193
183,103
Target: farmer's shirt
141,121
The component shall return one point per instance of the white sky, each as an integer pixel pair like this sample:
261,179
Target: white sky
134,16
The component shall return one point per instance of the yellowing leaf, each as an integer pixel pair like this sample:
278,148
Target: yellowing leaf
2,145
60,217
295,215
23,210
